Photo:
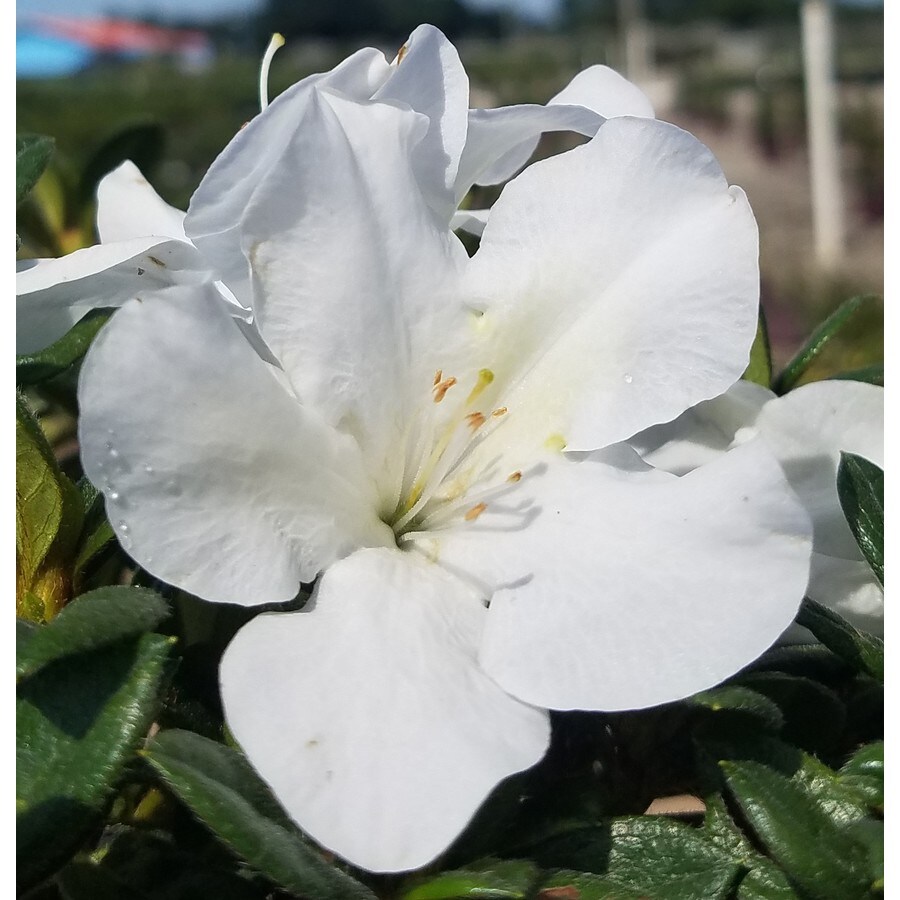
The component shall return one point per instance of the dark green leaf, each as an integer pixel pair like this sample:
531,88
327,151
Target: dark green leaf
734,698
765,881
78,721
93,620
219,785
651,854
820,340
862,651
814,716
490,879
860,486
759,370
36,367
33,152
815,853
141,143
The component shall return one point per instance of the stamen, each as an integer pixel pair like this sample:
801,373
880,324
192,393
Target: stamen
275,43
401,53
516,476
438,376
475,512
441,389
501,411
475,420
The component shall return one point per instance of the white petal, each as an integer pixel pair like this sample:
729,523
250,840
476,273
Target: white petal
355,278
704,432
216,208
53,294
621,588
368,715
606,92
128,207
620,284
216,480
501,141
431,80
807,429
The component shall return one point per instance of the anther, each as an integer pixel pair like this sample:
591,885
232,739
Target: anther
475,420
438,376
516,476
501,411
441,388
475,512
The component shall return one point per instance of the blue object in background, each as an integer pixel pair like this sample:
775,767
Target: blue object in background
45,56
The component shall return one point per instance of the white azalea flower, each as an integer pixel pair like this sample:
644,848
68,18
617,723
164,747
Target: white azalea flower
806,430
146,245
436,444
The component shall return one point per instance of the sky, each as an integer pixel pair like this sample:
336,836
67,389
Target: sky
212,9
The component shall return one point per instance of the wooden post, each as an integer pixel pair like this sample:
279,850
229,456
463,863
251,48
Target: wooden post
822,131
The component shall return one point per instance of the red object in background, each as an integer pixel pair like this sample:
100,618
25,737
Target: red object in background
122,36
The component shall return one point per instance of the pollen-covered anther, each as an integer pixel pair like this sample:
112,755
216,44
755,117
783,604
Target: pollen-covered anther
438,376
475,420
475,512
441,388
514,477
500,411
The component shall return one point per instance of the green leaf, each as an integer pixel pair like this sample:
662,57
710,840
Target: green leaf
490,879
649,854
78,721
765,881
735,698
36,367
39,501
569,885
828,334
860,485
814,716
33,152
862,651
872,374
221,788
864,773
814,852
759,370
93,620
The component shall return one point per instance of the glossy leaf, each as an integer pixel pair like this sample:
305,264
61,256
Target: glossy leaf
736,698
759,369
860,486
219,786
765,881
864,773
33,152
93,620
647,854
78,722
36,367
828,334
814,852
862,651
568,885
491,879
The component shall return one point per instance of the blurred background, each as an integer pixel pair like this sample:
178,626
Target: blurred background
168,83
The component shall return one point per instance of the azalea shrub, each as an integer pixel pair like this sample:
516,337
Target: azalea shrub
423,551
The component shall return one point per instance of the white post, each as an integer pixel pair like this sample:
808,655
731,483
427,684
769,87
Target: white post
822,131
635,41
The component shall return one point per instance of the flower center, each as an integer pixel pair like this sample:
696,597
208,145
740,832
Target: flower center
445,481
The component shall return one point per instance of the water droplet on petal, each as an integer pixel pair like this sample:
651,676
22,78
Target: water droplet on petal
148,470
628,379
123,526
113,495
